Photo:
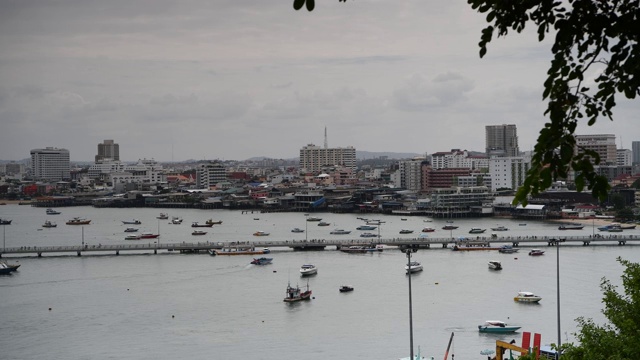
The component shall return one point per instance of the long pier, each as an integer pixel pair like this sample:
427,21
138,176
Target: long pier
477,242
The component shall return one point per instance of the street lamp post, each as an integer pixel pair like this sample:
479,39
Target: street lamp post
408,251
558,241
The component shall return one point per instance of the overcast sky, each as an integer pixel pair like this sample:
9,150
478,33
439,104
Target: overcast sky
233,79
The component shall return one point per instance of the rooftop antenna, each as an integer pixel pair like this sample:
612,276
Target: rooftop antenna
326,144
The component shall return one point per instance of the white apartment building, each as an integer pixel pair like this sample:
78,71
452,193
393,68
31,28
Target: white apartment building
50,164
603,144
459,159
313,158
210,174
411,174
144,171
624,157
508,172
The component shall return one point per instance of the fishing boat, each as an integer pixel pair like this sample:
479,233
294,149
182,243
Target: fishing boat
313,218
368,235
132,237
163,216
49,224
6,268
294,294
195,224
449,227
322,223
428,229
260,233
405,231
495,265
199,232
78,221
536,252
571,227
499,228
131,230
297,230
366,227
413,267
346,288
147,235
375,222
308,269
527,297
210,221
477,231
340,232
497,327
132,222
53,212
261,261
507,249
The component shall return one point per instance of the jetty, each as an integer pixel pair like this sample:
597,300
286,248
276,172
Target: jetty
488,242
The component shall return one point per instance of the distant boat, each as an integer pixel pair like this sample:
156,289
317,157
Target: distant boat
49,224
199,232
294,294
449,227
366,227
5,222
413,267
346,288
527,297
428,229
132,237
368,235
130,230
497,327
536,252
195,224
507,249
495,265
6,268
260,233
210,221
313,218
261,261
571,227
322,223
405,231
132,222
499,228
522,224
340,232
53,212
354,249
477,231
176,220
78,221
163,216
297,230
237,251
149,236
308,269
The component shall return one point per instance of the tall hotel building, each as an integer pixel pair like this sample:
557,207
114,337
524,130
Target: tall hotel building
635,148
314,158
108,150
501,140
603,144
50,164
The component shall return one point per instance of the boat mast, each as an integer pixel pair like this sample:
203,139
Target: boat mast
446,354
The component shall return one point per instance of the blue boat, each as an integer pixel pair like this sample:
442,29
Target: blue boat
497,327
261,261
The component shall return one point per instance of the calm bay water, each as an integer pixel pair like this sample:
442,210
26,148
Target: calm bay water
175,306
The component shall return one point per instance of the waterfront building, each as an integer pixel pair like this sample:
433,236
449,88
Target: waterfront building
501,140
508,172
624,157
459,197
108,150
50,164
603,144
313,158
441,178
635,148
411,174
210,174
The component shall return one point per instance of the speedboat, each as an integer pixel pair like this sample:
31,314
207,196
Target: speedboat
163,216
346,288
368,235
6,268
78,221
366,227
527,297
308,269
297,230
499,228
149,235
428,229
199,232
132,237
322,223
536,252
413,267
495,265
449,227
507,249
260,233
477,231
49,224
195,224
130,230
405,231
132,222
261,261
497,327
53,212
340,232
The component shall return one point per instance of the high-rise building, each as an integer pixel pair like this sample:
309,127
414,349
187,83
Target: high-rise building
635,148
508,172
411,174
501,140
623,157
314,158
108,150
603,144
50,164
210,174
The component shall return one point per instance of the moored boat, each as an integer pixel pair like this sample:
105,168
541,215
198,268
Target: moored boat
49,224
5,222
449,227
346,288
210,221
297,230
477,231
163,216
199,232
368,235
536,252
294,294
571,227
131,230
176,220
495,265
6,268
428,229
322,223
366,227
132,222
260,233
340,232
497,327
527,297
78,221
507,249
195,224
413,267
308,269
53,212
313,218
405,231
261,261
499,228
354,249
236,251
147,235
132,237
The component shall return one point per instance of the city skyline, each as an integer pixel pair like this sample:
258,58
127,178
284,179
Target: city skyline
233,80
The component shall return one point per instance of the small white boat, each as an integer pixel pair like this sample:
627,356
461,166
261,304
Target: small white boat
406,231
499,228
340,232
495,265
527,297
413,267
132,237
130,230
308,269
53,212
297,230
132,222
163,216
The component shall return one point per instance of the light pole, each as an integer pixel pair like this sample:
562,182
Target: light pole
558,241
408,251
